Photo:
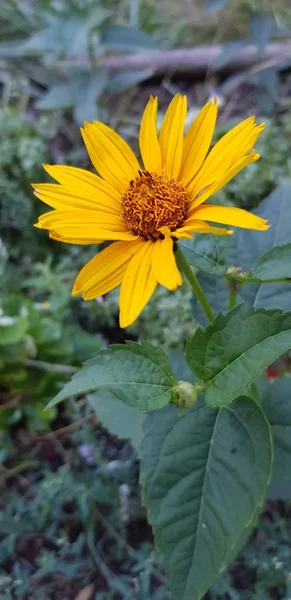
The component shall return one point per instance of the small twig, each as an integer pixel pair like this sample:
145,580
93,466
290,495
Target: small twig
63,430
50,367
24,466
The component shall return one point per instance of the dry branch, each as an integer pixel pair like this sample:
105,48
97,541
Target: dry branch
196,60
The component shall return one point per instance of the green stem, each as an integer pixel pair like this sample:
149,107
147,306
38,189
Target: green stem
231,299
195,285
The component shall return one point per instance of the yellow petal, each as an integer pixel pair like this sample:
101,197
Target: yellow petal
110,154
171,135
137,286
215,187
197,141
84,181
164,267
148,138
229,215
200,227
82,218
105,271
60,197
74,240
225,153
89,226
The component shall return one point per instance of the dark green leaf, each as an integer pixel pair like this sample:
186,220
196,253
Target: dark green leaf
139,375
207,252
277,408
204,474
235,349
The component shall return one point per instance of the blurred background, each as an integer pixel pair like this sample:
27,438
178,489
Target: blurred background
72,526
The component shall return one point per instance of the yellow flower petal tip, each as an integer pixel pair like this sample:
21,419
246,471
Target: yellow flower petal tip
142,210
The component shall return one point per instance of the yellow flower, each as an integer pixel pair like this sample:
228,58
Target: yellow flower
147,208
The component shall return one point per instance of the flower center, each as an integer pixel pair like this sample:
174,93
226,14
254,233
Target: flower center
153,201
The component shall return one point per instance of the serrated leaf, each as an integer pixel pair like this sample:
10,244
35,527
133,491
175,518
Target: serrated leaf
273,264
137,374
204,474
276,405
236,348
120,419
207,252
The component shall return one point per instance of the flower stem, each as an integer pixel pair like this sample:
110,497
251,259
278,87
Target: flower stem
195,285
231,299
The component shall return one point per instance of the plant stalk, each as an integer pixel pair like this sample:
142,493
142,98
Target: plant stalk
195,285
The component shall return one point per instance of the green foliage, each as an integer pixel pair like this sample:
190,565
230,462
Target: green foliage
274,264
137,374
231,353
277,408
204,473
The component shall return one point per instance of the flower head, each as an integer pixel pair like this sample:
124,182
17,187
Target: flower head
145,209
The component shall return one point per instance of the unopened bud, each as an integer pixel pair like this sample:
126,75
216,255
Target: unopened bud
184,394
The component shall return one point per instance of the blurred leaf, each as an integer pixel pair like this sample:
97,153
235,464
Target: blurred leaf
181,369
60,95
82,93
12,329
248,246
214,5
126,39
207,252
229,51
120,419
87,96
262,27
274,264
3,257
216,291
122,81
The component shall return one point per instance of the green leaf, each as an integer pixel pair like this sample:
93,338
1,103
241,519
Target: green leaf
120,419
236,348
126,39
261,29
274,264
122,81
207,252
139,375
204,473
250,245
276,405
215,289
179,366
